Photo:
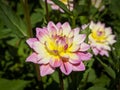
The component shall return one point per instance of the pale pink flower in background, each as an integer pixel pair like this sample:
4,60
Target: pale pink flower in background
68,3
58,46
98,4
101,38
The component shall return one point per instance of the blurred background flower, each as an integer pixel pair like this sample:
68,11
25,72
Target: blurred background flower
101,38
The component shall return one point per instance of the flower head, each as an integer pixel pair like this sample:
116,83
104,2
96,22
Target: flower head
68,3
58,46
100,38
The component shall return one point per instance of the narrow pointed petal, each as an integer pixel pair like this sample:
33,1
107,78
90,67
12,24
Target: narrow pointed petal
79,67
46,70
52,28
79,38
85,56
66,68
66,28
33,58
31,41
84,47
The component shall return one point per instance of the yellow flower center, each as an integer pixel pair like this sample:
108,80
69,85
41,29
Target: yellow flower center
99,36
56,45
64,1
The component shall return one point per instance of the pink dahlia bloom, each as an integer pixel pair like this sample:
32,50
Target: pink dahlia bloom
58,46
100,38
68,3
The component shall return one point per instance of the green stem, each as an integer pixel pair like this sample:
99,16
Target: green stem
61,80
27,17
47,14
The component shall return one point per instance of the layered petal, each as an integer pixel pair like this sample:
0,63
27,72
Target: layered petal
78,67
33,58
46,69
66,68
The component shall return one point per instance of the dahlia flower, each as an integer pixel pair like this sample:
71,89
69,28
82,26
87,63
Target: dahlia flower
58,46
68,3
100,38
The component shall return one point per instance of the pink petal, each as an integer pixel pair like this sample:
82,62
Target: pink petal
74,58
42,34
55,7
78,67
33,58
66,28
44,60
104,52
95,51
79,38
84,47
46,70
74,48
66,68
31,41
55,62
85,56
52,28
76,31
58,25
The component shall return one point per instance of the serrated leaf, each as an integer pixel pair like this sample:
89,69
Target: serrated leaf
12,21
36,17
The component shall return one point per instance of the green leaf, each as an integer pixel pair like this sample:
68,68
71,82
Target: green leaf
37,17
108,69
12,84
4,33
91,75
55,77
61,5
12,21
102,81
96,88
